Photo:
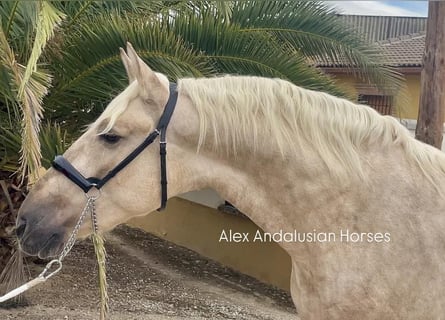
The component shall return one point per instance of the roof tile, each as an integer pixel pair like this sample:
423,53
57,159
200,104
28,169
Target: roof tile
404,48
405,51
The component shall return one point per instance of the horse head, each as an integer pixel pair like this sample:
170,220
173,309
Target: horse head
53,206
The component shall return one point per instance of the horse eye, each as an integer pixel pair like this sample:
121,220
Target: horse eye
110,137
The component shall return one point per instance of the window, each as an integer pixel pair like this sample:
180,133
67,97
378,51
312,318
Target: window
383,104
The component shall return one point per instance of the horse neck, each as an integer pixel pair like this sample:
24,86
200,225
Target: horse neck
262,183
296,190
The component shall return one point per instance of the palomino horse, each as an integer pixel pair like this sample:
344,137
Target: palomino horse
293,160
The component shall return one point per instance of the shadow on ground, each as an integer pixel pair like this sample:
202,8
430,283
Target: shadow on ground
150,278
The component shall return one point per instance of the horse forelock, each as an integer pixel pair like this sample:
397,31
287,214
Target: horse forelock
120,103
116,108
240,111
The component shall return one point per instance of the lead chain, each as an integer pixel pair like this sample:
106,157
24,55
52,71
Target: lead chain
90,207
94,217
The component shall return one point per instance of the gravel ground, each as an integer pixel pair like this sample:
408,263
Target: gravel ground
150,278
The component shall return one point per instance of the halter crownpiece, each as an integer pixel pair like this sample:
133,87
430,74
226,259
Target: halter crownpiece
64,166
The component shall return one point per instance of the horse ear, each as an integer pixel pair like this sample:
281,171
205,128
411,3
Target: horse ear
147,78
129,67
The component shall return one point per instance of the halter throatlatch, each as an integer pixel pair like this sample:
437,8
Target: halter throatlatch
65,167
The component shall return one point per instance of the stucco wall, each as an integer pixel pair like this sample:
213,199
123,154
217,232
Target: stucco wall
407,103
410,109
199,228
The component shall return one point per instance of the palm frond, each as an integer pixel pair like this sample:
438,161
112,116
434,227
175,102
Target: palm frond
10,144
30,93
194,43
79,12
220,8
317,33
53,141
18,19
48,19
30,105
91,55
14,274
229,50
12,10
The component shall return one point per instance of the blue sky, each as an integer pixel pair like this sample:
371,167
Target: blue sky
382,8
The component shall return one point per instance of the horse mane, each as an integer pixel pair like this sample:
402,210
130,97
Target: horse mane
240,110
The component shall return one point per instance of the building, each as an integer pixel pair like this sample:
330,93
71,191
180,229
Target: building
402,42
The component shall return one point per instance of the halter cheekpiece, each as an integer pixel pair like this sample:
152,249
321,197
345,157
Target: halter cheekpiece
65,167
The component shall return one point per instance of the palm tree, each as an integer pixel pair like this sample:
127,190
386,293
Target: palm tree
266,38
78,43
26,31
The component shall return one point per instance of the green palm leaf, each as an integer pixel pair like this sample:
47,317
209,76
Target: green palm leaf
179,38
230,50
80,12
18,20
318,34
27,86
48,19
91,55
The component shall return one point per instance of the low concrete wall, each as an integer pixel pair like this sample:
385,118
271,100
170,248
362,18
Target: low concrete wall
199,228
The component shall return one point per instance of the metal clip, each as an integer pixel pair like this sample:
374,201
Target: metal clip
48,267
94,193
41,278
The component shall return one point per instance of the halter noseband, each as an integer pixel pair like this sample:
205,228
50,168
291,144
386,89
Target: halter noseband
65,167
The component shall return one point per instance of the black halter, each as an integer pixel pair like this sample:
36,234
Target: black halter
65,167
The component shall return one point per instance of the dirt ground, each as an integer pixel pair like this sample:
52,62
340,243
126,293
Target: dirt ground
150,278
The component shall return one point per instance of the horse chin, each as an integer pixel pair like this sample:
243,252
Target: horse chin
42,247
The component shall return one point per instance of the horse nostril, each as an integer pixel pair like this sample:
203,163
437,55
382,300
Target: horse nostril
21,226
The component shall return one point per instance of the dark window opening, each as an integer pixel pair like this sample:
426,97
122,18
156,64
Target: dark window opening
383,104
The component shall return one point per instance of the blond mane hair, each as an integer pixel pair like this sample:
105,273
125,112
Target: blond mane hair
239,111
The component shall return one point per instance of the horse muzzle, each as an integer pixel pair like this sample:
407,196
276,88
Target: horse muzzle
37,238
